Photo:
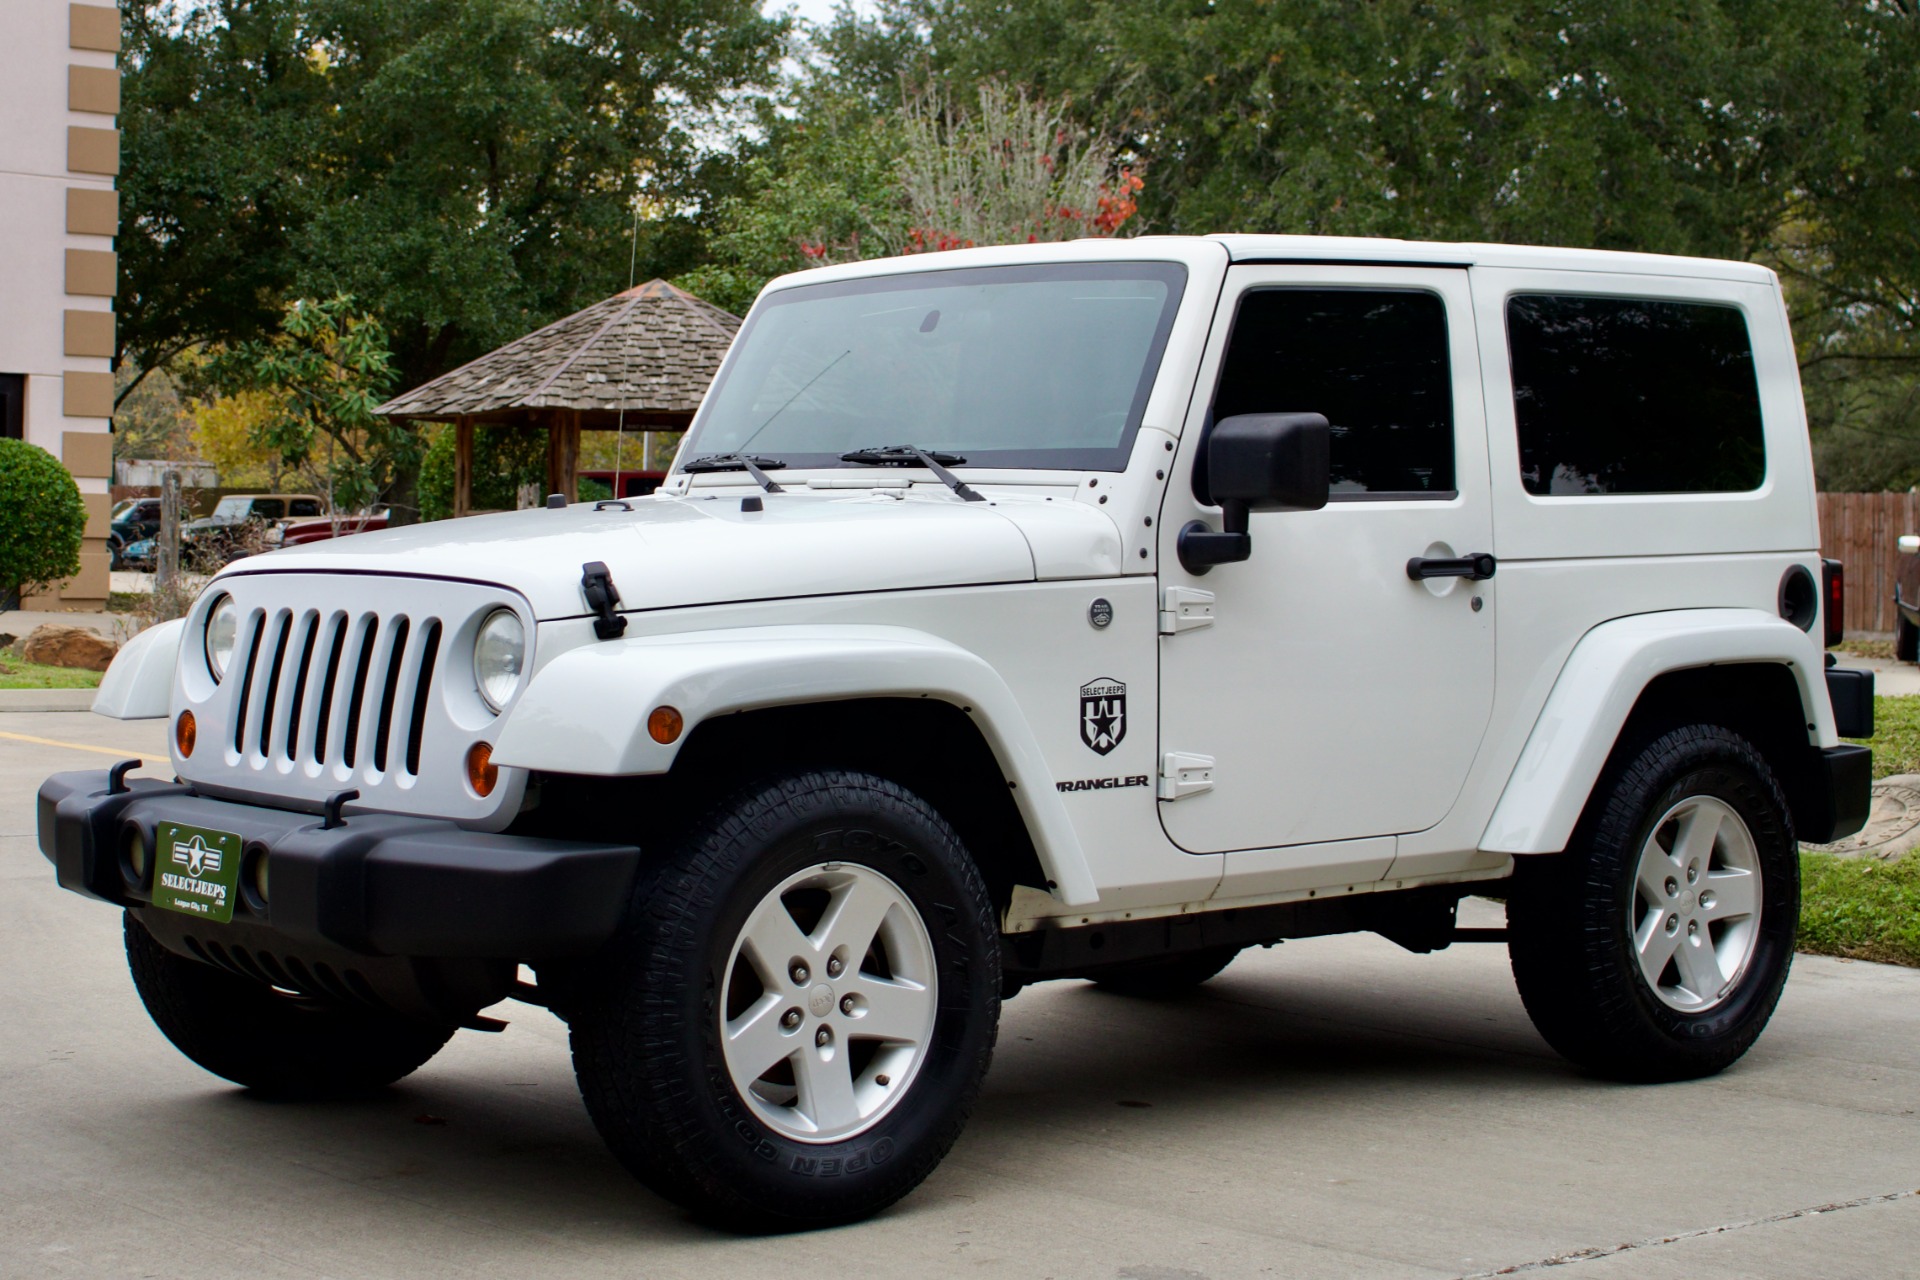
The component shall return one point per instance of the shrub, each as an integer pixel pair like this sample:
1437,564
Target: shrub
44,519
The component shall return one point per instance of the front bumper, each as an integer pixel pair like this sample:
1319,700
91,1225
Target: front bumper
425,913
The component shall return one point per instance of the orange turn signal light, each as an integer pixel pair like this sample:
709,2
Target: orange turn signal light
185,734
483,775
664,725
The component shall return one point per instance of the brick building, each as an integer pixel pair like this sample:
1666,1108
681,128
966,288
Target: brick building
59,154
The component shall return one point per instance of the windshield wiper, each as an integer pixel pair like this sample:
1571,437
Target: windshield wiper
912,455
754,466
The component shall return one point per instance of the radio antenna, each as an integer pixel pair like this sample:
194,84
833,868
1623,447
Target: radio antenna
620,424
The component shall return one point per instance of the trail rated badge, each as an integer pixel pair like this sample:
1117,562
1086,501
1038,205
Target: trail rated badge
198,871
1103,714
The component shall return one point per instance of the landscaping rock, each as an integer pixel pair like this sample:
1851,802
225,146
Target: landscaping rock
1893,823
58,645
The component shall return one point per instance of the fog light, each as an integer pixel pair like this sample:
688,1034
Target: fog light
253,877
664,725
133,854
185,733
482,774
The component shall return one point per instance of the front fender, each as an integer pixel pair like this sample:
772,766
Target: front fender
1597,690
586,711
138,684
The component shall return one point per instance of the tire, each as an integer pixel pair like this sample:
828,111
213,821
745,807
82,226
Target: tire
277,1044
1697,800
1906,639
1162,979
768,878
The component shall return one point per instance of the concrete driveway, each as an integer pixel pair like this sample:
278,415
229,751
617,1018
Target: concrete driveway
1327,1108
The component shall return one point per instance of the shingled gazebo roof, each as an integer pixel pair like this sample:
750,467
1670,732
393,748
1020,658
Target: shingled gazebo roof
650,352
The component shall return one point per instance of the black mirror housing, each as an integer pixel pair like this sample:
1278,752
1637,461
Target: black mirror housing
1269,461
1254,462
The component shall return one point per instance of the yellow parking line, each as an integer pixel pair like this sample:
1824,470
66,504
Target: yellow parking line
122,752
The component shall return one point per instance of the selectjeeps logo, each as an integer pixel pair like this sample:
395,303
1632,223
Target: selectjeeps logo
1103,714
199,871
197,858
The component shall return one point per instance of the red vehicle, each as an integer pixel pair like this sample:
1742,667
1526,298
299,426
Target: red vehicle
633,484
297,532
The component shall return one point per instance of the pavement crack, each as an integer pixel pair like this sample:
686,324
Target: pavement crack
1608,1251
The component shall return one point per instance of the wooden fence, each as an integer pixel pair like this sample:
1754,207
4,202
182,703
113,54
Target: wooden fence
1859,529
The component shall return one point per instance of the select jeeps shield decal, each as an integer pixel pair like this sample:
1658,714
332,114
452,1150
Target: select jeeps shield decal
1103,714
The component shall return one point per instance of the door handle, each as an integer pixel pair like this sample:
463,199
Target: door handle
1474,568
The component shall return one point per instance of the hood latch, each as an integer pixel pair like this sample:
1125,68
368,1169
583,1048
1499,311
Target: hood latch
596,584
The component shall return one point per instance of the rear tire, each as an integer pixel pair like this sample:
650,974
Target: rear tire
1163,979
1906,639
1656,947
278,1044
792,1026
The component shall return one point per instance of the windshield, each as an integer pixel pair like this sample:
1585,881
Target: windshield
1045,366
229,510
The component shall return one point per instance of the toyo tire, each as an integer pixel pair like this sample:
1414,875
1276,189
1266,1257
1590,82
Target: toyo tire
276,1043
793,1025
1655,948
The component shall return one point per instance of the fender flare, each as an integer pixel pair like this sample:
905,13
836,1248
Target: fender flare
1597,689
138,684
704,674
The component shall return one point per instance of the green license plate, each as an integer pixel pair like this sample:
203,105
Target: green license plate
198,872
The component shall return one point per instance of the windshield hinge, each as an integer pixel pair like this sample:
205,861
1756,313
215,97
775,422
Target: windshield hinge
1184,609
1183,774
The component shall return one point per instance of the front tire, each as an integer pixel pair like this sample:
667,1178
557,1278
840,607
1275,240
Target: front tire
793,1025
276,1043
1906,639
1656,947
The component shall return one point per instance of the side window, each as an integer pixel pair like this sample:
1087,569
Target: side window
305,507
268,508
1629,395
1373,361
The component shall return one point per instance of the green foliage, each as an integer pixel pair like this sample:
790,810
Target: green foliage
1862,908
1896,735
504,459
45,519
324,374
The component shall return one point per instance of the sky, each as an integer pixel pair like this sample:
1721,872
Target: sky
814,10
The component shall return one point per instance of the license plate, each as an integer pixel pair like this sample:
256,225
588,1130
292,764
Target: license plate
197,872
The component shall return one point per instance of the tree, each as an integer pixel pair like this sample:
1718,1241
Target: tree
467,168
316,384
45,520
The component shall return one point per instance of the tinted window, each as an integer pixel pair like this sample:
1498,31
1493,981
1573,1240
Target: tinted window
305,507
1373,362
1621,395
269,508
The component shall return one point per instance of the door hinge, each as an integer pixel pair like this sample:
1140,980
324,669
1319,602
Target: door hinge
1184,774
1185,608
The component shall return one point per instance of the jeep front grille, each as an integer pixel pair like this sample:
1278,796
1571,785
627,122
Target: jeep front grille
346,682
337,686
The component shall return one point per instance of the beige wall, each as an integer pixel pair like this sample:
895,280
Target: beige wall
59,152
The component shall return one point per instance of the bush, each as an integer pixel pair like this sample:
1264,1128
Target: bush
45,519
504,458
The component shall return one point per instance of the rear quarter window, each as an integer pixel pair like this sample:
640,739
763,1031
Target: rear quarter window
1633,395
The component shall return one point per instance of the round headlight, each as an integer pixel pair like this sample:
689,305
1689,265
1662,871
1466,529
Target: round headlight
499,656
223,626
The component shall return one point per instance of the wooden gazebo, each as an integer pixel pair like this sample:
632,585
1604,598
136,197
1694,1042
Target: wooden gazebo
643,358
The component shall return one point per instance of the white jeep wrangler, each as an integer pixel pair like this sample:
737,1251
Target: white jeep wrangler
1091,610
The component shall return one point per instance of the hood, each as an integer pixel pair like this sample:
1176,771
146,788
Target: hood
671,552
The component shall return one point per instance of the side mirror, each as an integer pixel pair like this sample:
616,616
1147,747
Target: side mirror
1254,462
1909,543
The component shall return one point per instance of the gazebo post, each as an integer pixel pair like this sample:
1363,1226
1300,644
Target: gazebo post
563,452
462,466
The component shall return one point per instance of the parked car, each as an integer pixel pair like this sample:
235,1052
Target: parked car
1090,610
1906,599
298,533
238,526
136,519
138,556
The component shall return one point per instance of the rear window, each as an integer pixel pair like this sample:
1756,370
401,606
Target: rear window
1633,395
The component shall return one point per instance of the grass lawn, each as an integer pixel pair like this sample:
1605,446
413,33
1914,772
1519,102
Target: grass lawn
17,673
1862,907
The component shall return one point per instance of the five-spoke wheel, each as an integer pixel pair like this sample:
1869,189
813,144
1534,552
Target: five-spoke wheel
1696,904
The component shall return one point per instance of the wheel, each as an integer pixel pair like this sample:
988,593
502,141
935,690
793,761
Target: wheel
793,1025
1159,979
1656,946
1906,639
279,1044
